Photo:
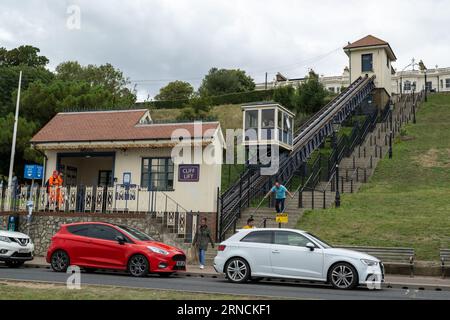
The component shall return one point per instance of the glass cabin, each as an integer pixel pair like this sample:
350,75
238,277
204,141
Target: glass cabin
268,124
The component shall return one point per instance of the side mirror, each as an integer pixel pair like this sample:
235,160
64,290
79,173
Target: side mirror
121,240
310,246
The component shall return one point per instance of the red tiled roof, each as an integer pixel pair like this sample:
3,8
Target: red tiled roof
367,41
109,126
371,41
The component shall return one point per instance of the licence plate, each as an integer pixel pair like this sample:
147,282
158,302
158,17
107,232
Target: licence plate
24,251
181,263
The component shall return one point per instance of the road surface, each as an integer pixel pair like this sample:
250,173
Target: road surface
219,285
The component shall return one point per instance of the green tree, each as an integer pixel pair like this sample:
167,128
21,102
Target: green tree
175,90
223,81
311,94
23,55
9,78
41,102
25,130
286,96
198,108
105,76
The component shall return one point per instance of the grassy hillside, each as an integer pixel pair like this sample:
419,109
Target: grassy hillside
407,201
229,115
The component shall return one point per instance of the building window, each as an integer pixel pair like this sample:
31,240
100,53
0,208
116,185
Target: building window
251,119
367,62
331,89
407,85
157,174
447,83
442,84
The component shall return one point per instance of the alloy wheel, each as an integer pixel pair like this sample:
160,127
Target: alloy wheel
60,261
342,276
138,266
237,270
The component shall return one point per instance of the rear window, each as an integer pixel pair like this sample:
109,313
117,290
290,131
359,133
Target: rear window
258,237
79,230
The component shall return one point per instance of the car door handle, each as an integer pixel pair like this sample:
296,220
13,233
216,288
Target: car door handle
275,251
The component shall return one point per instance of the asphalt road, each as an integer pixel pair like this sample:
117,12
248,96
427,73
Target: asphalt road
211,285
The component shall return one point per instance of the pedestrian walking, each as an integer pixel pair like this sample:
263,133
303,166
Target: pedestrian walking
280,196
201,240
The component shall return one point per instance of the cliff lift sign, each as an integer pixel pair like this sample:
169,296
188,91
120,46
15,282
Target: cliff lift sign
188,173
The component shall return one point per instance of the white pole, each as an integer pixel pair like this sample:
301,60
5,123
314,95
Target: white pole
13,146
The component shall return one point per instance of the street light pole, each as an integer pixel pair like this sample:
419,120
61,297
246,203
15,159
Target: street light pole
337,200
414,104
391,109
14,138
426,86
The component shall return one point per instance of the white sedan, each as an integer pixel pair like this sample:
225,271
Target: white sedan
15,248
252,254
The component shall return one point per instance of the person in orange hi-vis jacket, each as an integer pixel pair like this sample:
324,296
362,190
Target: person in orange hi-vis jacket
54,185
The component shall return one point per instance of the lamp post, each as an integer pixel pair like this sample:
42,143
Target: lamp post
337,200
426,86
391,109
414,102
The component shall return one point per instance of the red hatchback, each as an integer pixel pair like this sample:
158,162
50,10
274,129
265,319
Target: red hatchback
98,245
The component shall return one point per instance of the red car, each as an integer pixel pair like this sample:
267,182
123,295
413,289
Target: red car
98,245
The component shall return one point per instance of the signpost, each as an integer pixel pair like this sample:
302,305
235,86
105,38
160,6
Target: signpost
282,218
32,172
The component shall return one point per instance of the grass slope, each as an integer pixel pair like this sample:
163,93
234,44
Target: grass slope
47,291
407,201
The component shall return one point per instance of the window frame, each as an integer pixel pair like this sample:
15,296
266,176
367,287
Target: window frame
447,83
258,231
149,174
290,245
362,62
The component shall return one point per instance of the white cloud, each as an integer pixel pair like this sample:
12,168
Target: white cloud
181,39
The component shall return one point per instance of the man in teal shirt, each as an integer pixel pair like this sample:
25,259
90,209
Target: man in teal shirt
280,196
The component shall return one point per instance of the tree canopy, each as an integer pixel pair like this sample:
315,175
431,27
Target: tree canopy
23,55
175,90
223,81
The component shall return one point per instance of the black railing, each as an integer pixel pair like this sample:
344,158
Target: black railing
308,138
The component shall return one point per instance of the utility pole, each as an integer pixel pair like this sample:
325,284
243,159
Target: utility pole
13,146
265,87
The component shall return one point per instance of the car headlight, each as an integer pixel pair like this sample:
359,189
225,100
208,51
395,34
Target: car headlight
5,239
158,250
369,263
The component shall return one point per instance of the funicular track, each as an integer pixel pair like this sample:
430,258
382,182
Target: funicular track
306,139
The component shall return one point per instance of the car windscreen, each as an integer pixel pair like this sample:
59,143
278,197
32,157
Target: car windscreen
321,242
135,234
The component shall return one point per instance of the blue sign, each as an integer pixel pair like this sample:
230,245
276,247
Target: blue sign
33,171
188,173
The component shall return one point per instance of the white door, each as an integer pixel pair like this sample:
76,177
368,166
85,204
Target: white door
256,248
291,258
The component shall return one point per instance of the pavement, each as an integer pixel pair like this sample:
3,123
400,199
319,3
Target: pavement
391,281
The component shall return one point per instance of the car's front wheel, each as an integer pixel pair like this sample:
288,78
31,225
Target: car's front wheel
60,261
14,263
237,270
343,276
138,266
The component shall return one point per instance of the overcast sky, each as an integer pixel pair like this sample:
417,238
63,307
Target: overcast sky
159,41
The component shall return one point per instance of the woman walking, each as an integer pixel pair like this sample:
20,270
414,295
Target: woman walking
201,240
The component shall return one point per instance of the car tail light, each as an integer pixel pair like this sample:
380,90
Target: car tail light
221,247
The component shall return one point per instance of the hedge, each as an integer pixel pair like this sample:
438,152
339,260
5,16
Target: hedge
231,98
